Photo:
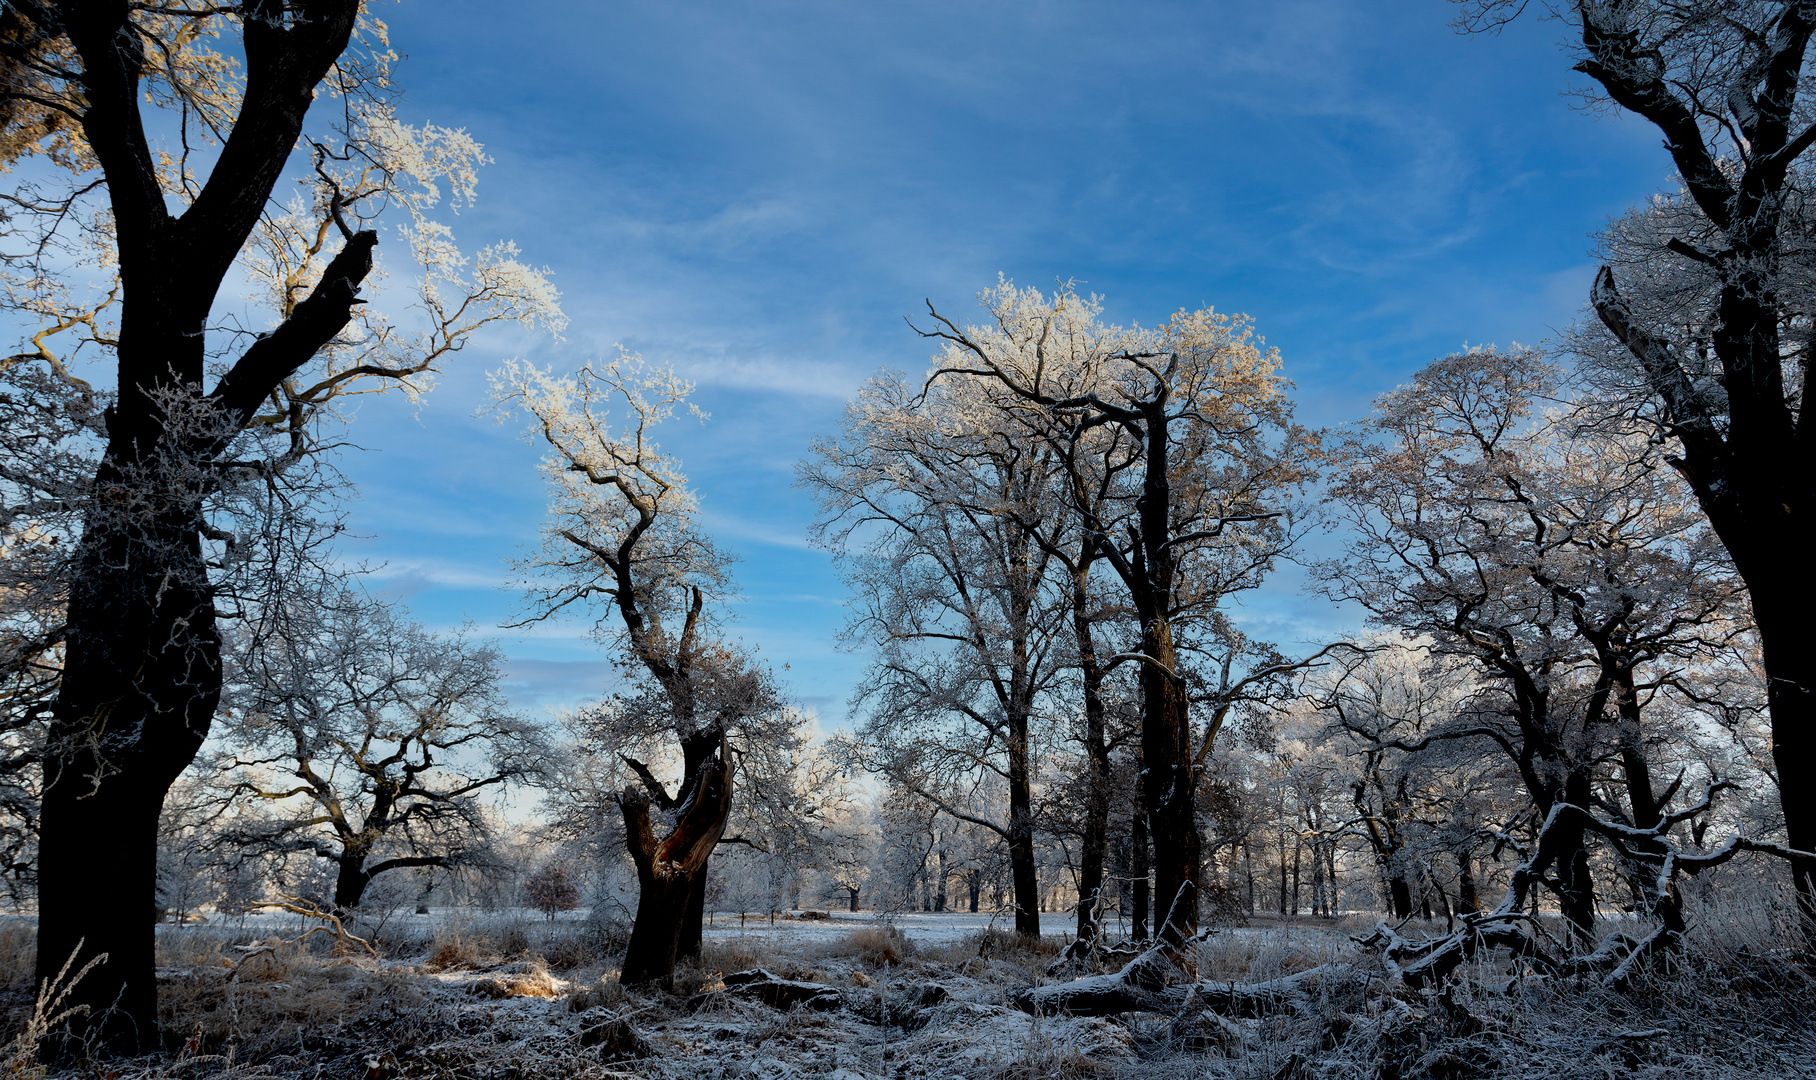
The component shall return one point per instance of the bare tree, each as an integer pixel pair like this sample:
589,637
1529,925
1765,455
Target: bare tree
1712,306
623,530
1220,460
928,504
353,736
1565,568
138,646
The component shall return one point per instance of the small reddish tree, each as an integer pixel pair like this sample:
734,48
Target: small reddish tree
552,889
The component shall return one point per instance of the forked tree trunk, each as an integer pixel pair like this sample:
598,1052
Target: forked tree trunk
142,672
668,870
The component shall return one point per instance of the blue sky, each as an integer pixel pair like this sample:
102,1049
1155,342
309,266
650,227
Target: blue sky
758,193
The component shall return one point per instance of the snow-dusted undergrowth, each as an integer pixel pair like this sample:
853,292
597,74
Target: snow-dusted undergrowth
505,998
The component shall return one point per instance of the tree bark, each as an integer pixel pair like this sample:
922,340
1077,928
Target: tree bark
668,870
1097,749
1168,785
1399,895
350,881
1138,875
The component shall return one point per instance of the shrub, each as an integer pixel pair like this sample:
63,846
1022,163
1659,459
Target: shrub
551,890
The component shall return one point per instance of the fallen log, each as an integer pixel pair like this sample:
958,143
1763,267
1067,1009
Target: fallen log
775,991
1138,987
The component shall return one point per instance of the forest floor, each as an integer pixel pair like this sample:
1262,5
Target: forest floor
916,997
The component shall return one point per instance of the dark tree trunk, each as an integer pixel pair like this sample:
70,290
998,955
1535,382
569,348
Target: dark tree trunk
852,889
669,870
1138,875
693,923
1097,750
107,913
1466,885
142,670
1399,895
1168,784
1021,832
1575,887
350,881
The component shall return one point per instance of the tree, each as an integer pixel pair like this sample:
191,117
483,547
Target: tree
1220,459
1712,310
551,889
935,496
138,647
623,529
1563,566
355,737
1412,807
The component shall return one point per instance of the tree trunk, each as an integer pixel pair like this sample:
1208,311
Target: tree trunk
1791,695
693,924
1021,832
853,890
1138,875
1167,786
98,890
1466,885
1097,750
350,881
1399,895
669,870
140,683
1576,893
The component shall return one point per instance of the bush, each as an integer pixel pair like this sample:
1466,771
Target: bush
551,890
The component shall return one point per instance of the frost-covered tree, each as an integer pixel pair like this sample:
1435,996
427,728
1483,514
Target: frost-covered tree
931,503
623,532
1706,294
1569,572
353,736
1204,409
159,149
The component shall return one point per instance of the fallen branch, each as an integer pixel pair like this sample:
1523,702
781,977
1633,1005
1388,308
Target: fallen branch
1619,955
299,906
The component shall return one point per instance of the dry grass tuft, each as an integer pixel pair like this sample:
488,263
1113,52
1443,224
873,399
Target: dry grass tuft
876,946
606,993
527,978
454,950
